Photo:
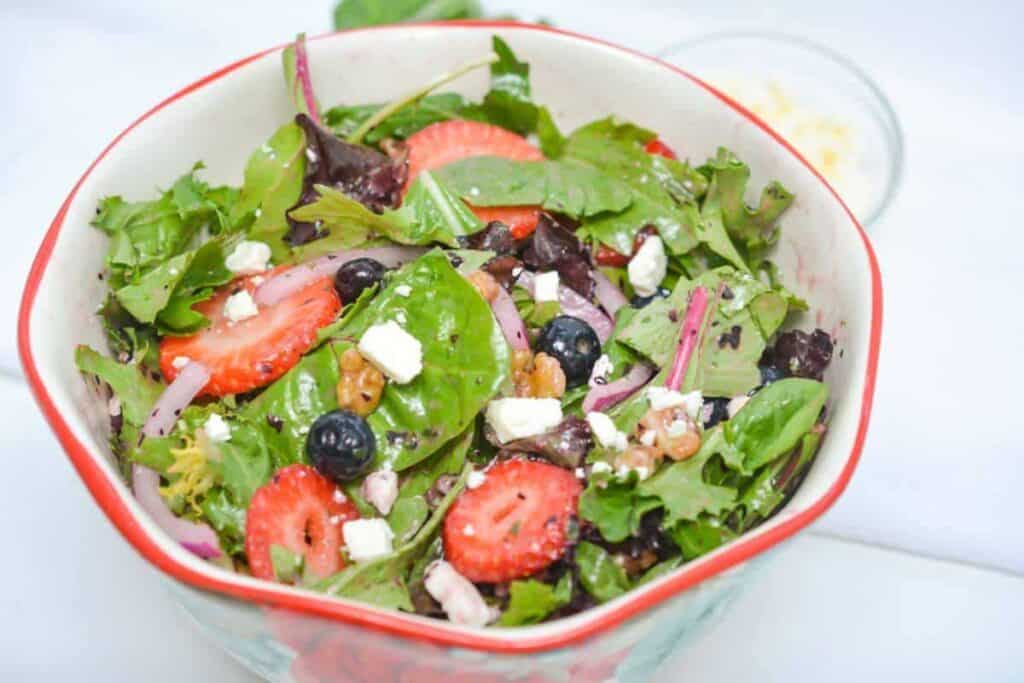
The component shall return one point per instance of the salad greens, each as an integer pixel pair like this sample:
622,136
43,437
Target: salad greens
298,413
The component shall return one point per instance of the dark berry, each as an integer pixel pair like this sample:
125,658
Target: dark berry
341,446
355,276
799,354
770,373
640,301
574,344
717,410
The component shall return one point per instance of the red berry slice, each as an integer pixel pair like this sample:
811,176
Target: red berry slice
443,143
514,524
521,220
253,352
302,511
656,146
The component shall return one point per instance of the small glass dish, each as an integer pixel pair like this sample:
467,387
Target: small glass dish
821,102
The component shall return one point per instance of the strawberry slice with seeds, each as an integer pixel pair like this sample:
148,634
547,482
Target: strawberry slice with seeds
301,511
521,220
656,146
252,352
514,524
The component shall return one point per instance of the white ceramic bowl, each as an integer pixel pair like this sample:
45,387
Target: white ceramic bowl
286,633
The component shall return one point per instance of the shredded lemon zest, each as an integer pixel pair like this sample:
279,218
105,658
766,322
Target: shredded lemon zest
195,475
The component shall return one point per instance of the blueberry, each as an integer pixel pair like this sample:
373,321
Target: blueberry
770,373
341,446
640,301
719,411
574,344
355,276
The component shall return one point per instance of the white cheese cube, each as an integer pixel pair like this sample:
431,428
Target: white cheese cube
545,287
248,257
661,398
216,429
648,266
518,418
459,598
393,351
240,306
367,539
380,489
475,479
605,431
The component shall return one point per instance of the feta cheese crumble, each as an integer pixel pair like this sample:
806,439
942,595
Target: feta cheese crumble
393,351
475,479
216,429
248,257
518,418
380,489
600,467
545,287
367,539
459,598
180,362
605,431
403,290
661,398
240,306
648,437
602,368
648,266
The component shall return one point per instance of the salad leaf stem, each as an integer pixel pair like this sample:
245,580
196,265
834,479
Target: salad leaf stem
689,337
421,92
302,75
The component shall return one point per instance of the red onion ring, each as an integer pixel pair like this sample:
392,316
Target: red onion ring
608,295
197,538
577,306
689,335
292,280
604,396
512,325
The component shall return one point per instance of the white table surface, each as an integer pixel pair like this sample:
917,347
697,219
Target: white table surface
942,464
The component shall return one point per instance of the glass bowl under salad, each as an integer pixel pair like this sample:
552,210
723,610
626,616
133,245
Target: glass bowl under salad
440,356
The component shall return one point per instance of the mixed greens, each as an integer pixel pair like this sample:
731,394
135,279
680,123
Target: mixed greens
439,356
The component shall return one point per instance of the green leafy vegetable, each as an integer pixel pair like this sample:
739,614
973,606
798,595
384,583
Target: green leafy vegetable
465,359
136,391
532,601
415,116
287,565
752,227
450,459
508,103
599,574
659,570
245,461
358,13
552,142
407,516
614,507
775,419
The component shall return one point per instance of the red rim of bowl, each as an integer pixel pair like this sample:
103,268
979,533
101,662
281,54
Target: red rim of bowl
395,623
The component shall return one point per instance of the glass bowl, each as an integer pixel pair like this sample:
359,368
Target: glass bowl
817,99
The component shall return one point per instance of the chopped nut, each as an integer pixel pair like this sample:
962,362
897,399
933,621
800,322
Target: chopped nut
360,385
485,284
538,376
640,458
677,434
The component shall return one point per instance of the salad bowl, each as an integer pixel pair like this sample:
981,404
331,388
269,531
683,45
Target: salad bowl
286,633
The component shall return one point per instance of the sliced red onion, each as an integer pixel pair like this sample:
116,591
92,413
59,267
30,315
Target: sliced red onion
292,280
608,295
577,306
689,336
176,397
304,78
509,320
604,396
197,538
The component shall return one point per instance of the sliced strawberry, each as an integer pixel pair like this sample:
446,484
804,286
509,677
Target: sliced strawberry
252,353
656,146
521,220
442,143
300,510
606,256
514,524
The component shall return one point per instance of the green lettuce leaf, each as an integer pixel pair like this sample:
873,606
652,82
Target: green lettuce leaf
775,419
465,359
600,575
345,120
531,601
136,390
508,102
752,227
358,13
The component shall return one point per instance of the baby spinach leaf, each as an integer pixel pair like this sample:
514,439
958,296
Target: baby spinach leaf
383,581
566,186
753,227
701,536
136,391
287,565
614,507
284,412
272,185
357,13
599,574
245,463
407,516
763,495
775,419
552,142
508,103
450,459
531,601
465,359
659,570
711,229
